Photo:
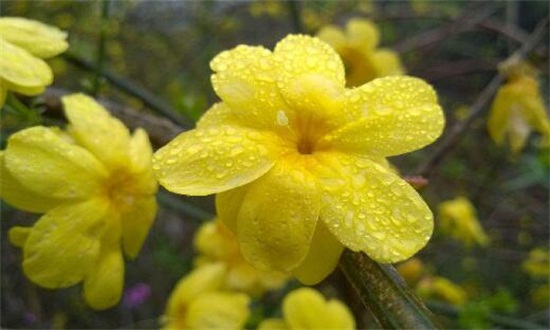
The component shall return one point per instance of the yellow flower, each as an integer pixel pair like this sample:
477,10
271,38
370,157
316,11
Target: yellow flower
357,47
23,45
517,110
95,185
298,161
306,308
538,263
458,219
197,302
441,288
411,270
217,244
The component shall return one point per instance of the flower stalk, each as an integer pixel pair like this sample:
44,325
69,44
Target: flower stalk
384,293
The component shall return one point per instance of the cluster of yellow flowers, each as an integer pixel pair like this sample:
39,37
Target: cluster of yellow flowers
428,285
297,160
23,46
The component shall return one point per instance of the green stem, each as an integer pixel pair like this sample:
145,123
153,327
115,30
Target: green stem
100,58
385,294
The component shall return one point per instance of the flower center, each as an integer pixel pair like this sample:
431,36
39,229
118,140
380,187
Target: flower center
306,146
119,188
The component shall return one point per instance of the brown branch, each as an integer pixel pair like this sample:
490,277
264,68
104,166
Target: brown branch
465,21
479,106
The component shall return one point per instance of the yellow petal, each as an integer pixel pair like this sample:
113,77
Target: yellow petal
333,36
322,258
3,92
278,217
400,114
141,164
386,62
499,117
298,55
214,159
136,223
64,244
18,235
103,283
25,90
37,38
273,324
369,208
13,192
204,279
362,33
218,114
228,205
42,161
218,310
96,130
141,152
306,308
245,80
19,68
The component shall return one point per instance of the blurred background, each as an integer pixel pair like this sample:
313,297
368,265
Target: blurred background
150,61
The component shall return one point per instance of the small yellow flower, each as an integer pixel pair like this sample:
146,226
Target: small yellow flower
358,48
299,161
217,244
518,109
23,45
95,185
441,288
458,219
306,308
198,302
411,270
538,263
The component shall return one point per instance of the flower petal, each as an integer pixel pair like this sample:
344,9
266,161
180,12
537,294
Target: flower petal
13,192
298,55
104,282
400,114
64,244
228,205
214,159
3,92
136,223
306,308
44,162
218,310
218,114
245,80
18,235
278,217
141,163
96,130
20,68
201,280
386,62
37,38
362,34
333,36
372,209
322,258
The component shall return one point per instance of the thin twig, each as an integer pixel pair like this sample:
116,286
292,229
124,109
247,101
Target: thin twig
479,105
150,100
100,58
295,15
463,22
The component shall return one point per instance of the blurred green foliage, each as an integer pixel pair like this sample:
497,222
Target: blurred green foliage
165,47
